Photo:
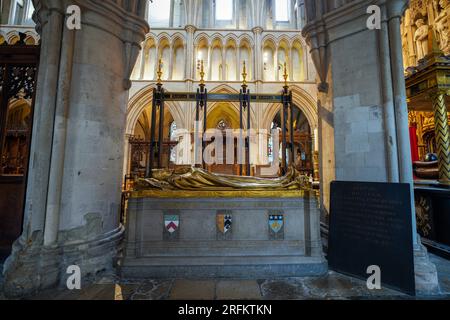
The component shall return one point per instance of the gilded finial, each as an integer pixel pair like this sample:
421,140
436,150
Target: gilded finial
159,72
285,75
244,75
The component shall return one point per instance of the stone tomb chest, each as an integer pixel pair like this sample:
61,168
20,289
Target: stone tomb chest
234,234
223,237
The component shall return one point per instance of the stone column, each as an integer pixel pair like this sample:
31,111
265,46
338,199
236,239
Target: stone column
170,66
258,63
209,65
158,57
238,64
442,133
143,62
363,120
224,75
291,65
395,9
185,69
275,64
425,271
74,189
191,60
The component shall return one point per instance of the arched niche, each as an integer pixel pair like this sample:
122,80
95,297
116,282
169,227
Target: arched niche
282,59
223,111
178,63
245,54
164,55
216,60
269,64
298,62
302,100
138,127
13,39
17,134
231,67
202,55
150,59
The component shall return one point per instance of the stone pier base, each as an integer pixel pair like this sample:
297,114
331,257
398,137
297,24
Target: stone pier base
427,282
33,267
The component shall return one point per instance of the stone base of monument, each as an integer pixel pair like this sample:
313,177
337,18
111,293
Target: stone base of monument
425,272
33,267
251,236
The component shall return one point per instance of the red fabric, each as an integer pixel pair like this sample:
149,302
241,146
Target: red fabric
414,144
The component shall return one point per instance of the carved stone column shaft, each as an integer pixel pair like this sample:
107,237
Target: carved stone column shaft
74,189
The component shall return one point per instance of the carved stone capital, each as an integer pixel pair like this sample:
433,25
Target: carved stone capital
257,30
396,8
317,38
190,28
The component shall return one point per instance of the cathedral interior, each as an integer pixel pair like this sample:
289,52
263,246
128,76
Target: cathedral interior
89,125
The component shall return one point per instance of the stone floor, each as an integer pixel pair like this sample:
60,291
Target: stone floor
330,287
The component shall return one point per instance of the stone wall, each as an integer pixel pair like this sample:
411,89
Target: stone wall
199,247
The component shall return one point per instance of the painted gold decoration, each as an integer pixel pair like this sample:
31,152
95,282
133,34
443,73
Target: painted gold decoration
177,194
412,118
285,75
418,8
159,72
202,73
244,75
442,132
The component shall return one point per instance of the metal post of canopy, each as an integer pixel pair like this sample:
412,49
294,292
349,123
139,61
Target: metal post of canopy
201,99
151,155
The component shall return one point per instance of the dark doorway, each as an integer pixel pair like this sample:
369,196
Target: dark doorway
18,71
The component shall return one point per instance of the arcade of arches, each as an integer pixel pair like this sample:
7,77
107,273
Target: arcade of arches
93,115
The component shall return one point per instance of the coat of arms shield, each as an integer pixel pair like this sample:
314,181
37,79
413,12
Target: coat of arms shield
171,223
276,226
276,223
224,222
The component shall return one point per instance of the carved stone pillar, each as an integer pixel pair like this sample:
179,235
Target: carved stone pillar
191,60
395,9
74,187
363,120
170,66
442,133
223,75
143,62
258,63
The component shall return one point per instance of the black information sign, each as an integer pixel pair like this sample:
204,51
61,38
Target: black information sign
370,225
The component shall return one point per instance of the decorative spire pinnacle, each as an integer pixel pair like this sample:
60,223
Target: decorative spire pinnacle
202,73
159,72
244,76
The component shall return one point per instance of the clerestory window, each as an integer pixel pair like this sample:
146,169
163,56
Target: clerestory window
159,13
282,10
224,10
